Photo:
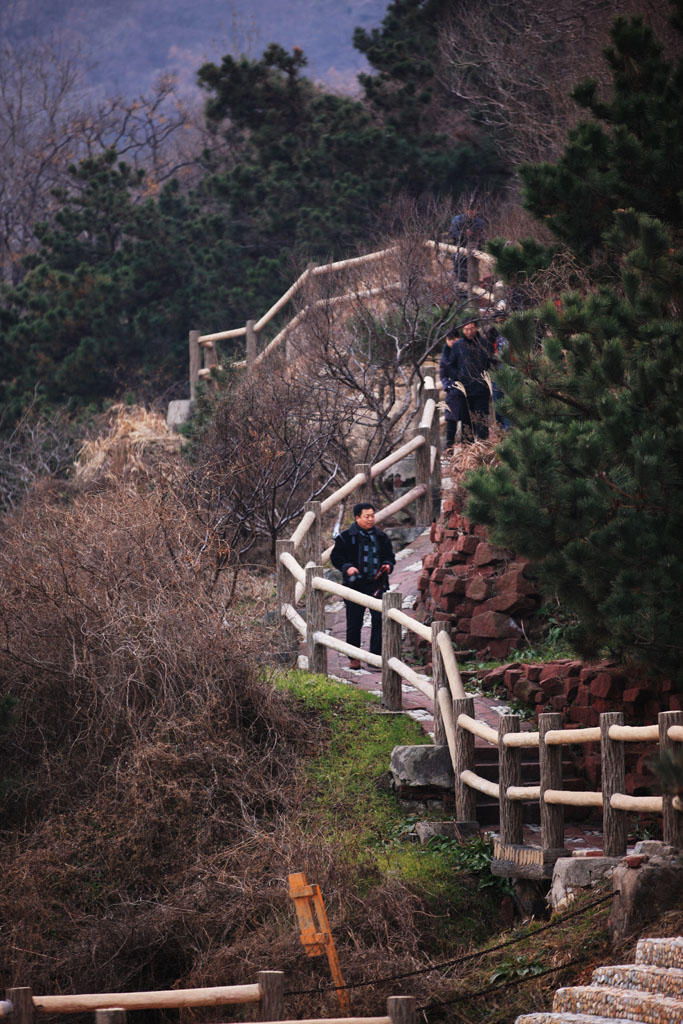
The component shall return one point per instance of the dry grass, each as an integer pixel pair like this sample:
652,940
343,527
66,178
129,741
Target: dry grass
467,457
151,788
136,440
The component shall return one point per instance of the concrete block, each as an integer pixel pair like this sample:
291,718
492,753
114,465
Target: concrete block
179,411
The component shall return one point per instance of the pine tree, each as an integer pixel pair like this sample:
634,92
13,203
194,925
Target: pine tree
590,480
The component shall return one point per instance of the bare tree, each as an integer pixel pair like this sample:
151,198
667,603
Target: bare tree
513,64
274,443
370,329
48,122
40,446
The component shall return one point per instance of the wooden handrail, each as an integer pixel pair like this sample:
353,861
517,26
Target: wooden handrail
411,677
477,728
409,623
149,1000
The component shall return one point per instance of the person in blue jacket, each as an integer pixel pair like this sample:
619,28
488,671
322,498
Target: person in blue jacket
365,557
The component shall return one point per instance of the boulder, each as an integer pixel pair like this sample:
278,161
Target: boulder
179,412
478,588
643,891
487,553
571,874
424,766
495,625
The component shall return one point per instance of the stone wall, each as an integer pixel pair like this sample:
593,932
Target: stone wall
490,598
581,692
483,590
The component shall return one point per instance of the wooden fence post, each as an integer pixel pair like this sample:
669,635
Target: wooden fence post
465,798
439,679
614,823
112,1015
550,766
315,622
673,819
364,492
435,442
392,683
510,774
272,985
312,550
251,345
401,1009
22,1004
472,273
286,593
423,509
195,362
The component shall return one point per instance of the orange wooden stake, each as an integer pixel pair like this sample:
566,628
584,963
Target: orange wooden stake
316,937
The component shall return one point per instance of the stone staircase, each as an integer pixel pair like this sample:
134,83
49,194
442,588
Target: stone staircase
651,991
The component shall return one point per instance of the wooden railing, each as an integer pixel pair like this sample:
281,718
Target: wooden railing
616,804
20,1004
203,353
303,578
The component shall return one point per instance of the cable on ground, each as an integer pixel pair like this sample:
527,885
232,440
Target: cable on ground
528,933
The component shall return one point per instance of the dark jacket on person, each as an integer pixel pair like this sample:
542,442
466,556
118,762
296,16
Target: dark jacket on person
347,551
465,361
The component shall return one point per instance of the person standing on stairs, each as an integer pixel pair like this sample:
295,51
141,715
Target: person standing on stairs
365,557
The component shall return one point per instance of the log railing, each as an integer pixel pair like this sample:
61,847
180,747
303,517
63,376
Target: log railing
20,1004
303,578
203,352
612,735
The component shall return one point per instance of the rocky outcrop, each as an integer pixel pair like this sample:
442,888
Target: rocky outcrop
482,589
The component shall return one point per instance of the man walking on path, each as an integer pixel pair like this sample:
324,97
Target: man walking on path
364,556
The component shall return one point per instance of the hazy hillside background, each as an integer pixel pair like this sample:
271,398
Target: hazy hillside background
133,41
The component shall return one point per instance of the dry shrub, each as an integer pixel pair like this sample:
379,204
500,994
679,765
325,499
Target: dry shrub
137,440
467,457
153,804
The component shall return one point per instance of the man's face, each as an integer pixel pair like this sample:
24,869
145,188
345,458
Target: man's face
469,330
450,341
366,519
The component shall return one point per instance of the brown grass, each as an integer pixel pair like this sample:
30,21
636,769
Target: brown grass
467,457
151,783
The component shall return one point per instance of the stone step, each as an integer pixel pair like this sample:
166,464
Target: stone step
660,952
666,981
629,1004
569,1018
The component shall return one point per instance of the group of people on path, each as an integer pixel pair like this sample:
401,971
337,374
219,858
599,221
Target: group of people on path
363,553
465,359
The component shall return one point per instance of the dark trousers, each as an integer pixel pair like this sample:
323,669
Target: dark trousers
355,614
472,410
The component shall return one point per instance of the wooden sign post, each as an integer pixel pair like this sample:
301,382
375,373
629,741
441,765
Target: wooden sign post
316,937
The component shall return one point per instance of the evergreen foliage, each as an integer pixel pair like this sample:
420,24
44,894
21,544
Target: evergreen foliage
590,480
120,277
315,168
628,154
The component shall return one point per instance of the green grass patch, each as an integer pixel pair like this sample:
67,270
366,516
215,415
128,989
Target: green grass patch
348,784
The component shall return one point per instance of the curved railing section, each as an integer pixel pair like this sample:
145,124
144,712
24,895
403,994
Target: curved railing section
301,561
203,352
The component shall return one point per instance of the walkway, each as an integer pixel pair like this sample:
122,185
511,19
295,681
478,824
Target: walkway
416,704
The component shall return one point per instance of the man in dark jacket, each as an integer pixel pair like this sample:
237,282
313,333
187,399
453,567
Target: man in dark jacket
463,362
364,556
